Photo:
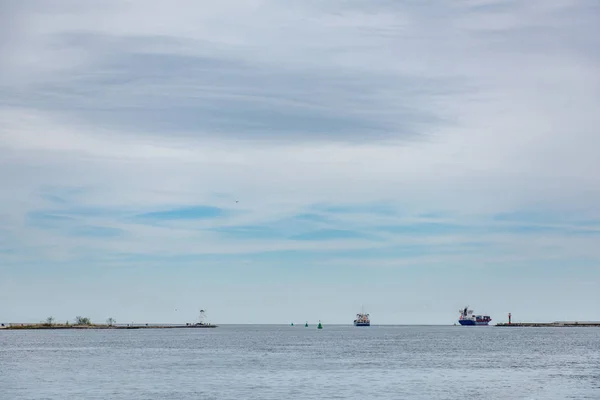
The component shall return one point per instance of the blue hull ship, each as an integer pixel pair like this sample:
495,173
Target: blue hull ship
467,318
467,322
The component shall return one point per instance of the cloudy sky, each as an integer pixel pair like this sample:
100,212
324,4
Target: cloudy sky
278,161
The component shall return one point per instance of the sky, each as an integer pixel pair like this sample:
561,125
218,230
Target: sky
277,162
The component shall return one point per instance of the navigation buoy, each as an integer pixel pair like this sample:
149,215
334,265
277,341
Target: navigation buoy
306,325
292,324
319,326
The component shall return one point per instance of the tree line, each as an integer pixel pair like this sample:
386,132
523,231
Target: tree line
79,320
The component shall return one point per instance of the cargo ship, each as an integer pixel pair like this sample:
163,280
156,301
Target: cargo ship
362,319
468,318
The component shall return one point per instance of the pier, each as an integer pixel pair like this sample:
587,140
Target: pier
103,326
85,323
552,324
595,324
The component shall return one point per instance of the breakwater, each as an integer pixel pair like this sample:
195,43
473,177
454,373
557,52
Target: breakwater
102,326
552,324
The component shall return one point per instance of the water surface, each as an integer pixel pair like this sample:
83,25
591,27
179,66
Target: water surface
284,362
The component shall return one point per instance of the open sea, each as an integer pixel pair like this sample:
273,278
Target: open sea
284,362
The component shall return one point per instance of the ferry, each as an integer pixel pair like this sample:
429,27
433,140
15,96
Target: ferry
467,318
362,319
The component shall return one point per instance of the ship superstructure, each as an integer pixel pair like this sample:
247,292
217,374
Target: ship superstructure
362,319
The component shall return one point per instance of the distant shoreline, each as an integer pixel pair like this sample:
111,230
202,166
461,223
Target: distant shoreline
101,326
44,326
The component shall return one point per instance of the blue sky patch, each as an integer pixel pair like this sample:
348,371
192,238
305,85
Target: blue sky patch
373,208
184,213
311,217
49,220
331,234
427,228
96,231
248,232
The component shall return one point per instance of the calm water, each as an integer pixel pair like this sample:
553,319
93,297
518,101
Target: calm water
283,362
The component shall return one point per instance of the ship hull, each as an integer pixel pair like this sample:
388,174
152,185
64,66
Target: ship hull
468,322
362,324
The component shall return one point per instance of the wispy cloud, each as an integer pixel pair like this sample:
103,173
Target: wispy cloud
96,231
329,234
185,213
